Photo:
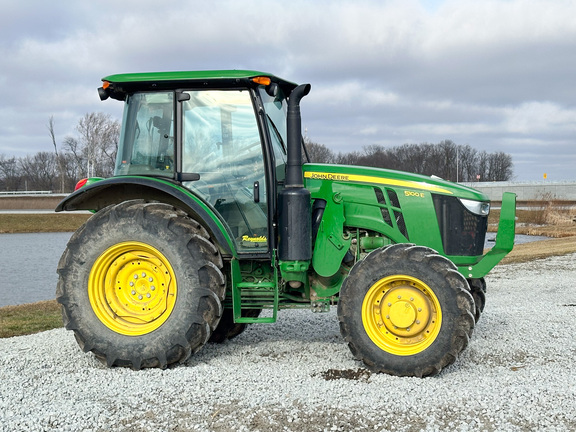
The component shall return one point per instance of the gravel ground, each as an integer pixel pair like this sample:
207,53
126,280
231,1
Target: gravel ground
517,374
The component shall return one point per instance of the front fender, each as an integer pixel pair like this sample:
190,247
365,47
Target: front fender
103,193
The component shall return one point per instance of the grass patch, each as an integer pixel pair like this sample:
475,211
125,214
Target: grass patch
548,218
42,222
29,318
541,249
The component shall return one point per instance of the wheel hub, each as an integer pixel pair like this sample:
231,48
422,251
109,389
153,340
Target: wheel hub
135,279
132,288
401,315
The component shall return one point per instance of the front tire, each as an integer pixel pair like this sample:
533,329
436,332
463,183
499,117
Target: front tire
141,285
405,310
478,291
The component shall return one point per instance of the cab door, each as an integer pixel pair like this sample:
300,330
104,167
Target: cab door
222,143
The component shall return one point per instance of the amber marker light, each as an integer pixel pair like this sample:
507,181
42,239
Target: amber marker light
262,80
105,84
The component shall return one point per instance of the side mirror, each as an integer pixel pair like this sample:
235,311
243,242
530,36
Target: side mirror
272,90
182,97
103,93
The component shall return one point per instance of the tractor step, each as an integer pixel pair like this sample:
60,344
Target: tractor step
248,295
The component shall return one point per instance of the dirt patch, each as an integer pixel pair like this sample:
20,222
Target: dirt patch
349,374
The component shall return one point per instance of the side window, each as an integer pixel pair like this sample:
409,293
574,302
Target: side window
148,138
275,108
221,142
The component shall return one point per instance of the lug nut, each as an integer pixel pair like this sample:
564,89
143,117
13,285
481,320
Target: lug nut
148,295
152,288
150,279
140,297
131,284
133,292
135,276
143,274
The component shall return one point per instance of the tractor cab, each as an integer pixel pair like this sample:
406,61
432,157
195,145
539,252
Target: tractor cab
225,142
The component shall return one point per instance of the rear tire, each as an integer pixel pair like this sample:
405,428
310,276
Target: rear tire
405,310
227,329
141,285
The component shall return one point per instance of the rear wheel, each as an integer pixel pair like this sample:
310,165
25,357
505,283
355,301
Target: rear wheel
406,311
141,285
227,329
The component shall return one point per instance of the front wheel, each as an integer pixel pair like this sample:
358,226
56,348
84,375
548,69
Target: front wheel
141,285
478,291
406,310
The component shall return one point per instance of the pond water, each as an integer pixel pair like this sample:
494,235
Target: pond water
28,264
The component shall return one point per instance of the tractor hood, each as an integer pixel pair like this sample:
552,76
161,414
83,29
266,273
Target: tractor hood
384,177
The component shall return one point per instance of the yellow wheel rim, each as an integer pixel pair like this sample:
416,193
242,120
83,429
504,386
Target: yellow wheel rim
132,288
401,315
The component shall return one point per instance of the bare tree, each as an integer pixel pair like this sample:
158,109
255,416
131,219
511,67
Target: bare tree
40,171
319,153
10,178
467,163
500,166
58,157
94,149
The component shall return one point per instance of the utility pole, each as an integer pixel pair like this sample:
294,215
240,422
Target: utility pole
456,163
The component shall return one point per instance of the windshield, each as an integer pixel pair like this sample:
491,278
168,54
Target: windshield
147,141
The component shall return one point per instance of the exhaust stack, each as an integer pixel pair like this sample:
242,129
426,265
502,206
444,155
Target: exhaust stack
295,216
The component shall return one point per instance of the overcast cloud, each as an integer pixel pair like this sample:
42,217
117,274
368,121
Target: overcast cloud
497,75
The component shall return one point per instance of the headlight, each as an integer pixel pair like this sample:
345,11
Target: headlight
479,208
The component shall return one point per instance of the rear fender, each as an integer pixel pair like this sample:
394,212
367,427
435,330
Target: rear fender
114,190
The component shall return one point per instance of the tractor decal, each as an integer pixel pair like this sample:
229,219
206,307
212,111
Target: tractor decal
371,179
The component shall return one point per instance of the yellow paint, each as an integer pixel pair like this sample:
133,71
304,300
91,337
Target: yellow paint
132,288
261,239
401,315
375,180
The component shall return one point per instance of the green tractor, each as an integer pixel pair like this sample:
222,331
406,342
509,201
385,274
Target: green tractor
212,222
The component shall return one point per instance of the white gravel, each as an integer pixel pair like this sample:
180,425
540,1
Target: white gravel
518,374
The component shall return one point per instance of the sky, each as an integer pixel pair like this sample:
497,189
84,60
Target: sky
498,75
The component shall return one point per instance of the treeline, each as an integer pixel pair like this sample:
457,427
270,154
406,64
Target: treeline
91,152
446,160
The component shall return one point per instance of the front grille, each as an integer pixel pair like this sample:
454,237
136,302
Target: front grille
462,231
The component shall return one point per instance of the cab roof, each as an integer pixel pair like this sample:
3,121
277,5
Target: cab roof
145,81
